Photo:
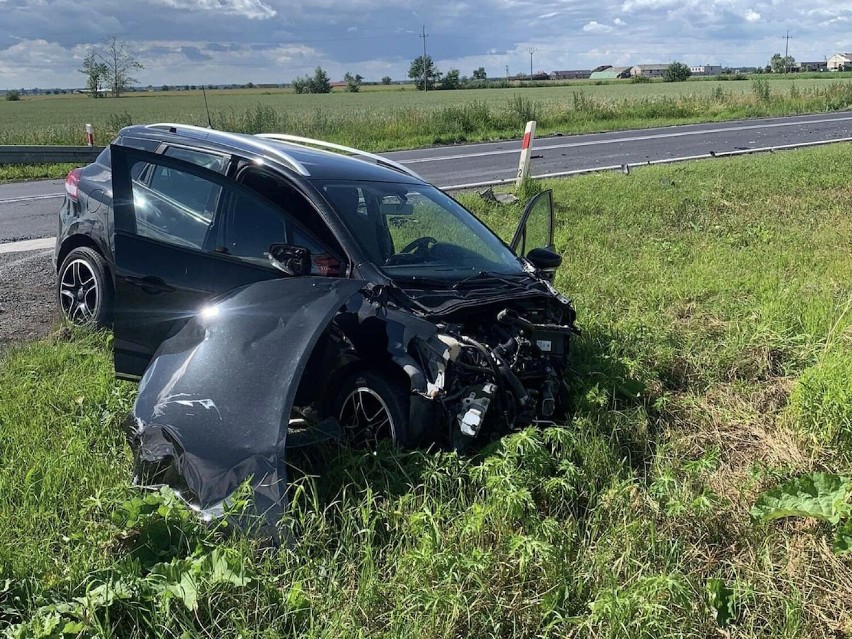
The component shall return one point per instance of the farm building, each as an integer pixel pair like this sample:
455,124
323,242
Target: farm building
706,69
649,70
811,66
840,62
579,74
610,73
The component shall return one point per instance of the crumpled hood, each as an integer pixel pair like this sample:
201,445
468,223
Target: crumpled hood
214,404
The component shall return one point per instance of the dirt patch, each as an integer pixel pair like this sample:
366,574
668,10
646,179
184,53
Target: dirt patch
27,306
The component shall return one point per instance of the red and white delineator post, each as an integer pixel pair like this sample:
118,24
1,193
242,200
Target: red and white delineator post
90,135
526,152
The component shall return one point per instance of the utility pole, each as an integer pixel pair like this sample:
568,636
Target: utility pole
786,50
531,50
507,74
424,35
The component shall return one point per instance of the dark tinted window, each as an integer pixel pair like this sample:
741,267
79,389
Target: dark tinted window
174,206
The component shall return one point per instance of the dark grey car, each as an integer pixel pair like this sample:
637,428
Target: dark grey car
261,285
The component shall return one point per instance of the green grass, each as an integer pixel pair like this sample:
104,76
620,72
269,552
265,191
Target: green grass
383,120
714,363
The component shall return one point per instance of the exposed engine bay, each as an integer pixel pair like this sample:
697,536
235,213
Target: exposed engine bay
502,366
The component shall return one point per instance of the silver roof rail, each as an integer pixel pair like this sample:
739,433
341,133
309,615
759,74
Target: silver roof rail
358,153
250,140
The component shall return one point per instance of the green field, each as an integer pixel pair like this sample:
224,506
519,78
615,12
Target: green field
715,299
400,118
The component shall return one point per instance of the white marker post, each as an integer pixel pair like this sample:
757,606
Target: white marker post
90,135
526,152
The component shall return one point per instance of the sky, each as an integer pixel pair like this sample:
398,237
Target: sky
42,42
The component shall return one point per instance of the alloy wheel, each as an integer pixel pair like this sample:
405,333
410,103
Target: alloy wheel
366,417
78,292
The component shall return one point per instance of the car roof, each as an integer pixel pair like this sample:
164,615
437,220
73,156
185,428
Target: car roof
306,161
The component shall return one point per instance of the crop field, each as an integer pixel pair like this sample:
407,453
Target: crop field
716,305
400,118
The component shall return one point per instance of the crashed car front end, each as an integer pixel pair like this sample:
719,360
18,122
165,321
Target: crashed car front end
215,404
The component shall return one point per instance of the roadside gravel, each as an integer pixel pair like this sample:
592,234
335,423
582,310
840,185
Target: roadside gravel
27,306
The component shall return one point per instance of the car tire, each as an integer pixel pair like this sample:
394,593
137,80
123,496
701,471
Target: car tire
84,289
373,406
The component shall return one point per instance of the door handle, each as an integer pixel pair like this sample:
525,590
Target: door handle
150,284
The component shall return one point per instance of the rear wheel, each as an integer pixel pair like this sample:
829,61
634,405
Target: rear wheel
373,406
84,288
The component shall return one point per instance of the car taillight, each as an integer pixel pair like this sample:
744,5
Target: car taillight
72,182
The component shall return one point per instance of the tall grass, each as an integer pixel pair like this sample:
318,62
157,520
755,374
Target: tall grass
714,361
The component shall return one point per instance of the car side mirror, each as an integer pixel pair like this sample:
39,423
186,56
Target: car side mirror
289,259
546,261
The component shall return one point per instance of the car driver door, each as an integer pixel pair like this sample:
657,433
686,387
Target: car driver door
168,260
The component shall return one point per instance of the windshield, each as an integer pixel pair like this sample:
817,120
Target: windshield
415,231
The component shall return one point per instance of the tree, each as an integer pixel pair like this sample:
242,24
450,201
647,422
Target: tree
317,84
96,73
781,64
301,84
677,72
386,80
415,72
13,96
451,80
120,62
353,82
479,74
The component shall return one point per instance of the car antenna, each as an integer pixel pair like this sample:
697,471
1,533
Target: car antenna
206,108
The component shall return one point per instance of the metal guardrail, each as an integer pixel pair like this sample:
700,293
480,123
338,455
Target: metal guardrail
33,154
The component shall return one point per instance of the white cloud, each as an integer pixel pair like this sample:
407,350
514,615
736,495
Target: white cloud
619,22
596,27
251,9
752,16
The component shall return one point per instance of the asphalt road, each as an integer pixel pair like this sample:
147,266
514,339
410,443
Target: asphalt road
28,209
478,163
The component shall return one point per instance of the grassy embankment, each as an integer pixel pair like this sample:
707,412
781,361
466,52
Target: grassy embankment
386,120
717,349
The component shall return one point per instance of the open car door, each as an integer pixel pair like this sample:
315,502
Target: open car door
535,229
170,258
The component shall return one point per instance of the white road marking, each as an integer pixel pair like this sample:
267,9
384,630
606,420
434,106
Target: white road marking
617,167
542,146
27,245
27,198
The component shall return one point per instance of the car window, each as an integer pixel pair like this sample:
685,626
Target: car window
415,230
280,215
174,206
188,189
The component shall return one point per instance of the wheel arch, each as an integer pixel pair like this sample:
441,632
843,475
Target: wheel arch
78,240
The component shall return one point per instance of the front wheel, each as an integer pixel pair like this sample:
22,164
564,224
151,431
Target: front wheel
84,288
373,406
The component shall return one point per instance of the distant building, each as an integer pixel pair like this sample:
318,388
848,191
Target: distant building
610,73
649,70
706,69
811,66
840,62
580,74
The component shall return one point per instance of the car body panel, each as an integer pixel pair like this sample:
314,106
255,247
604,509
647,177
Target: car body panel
213,407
